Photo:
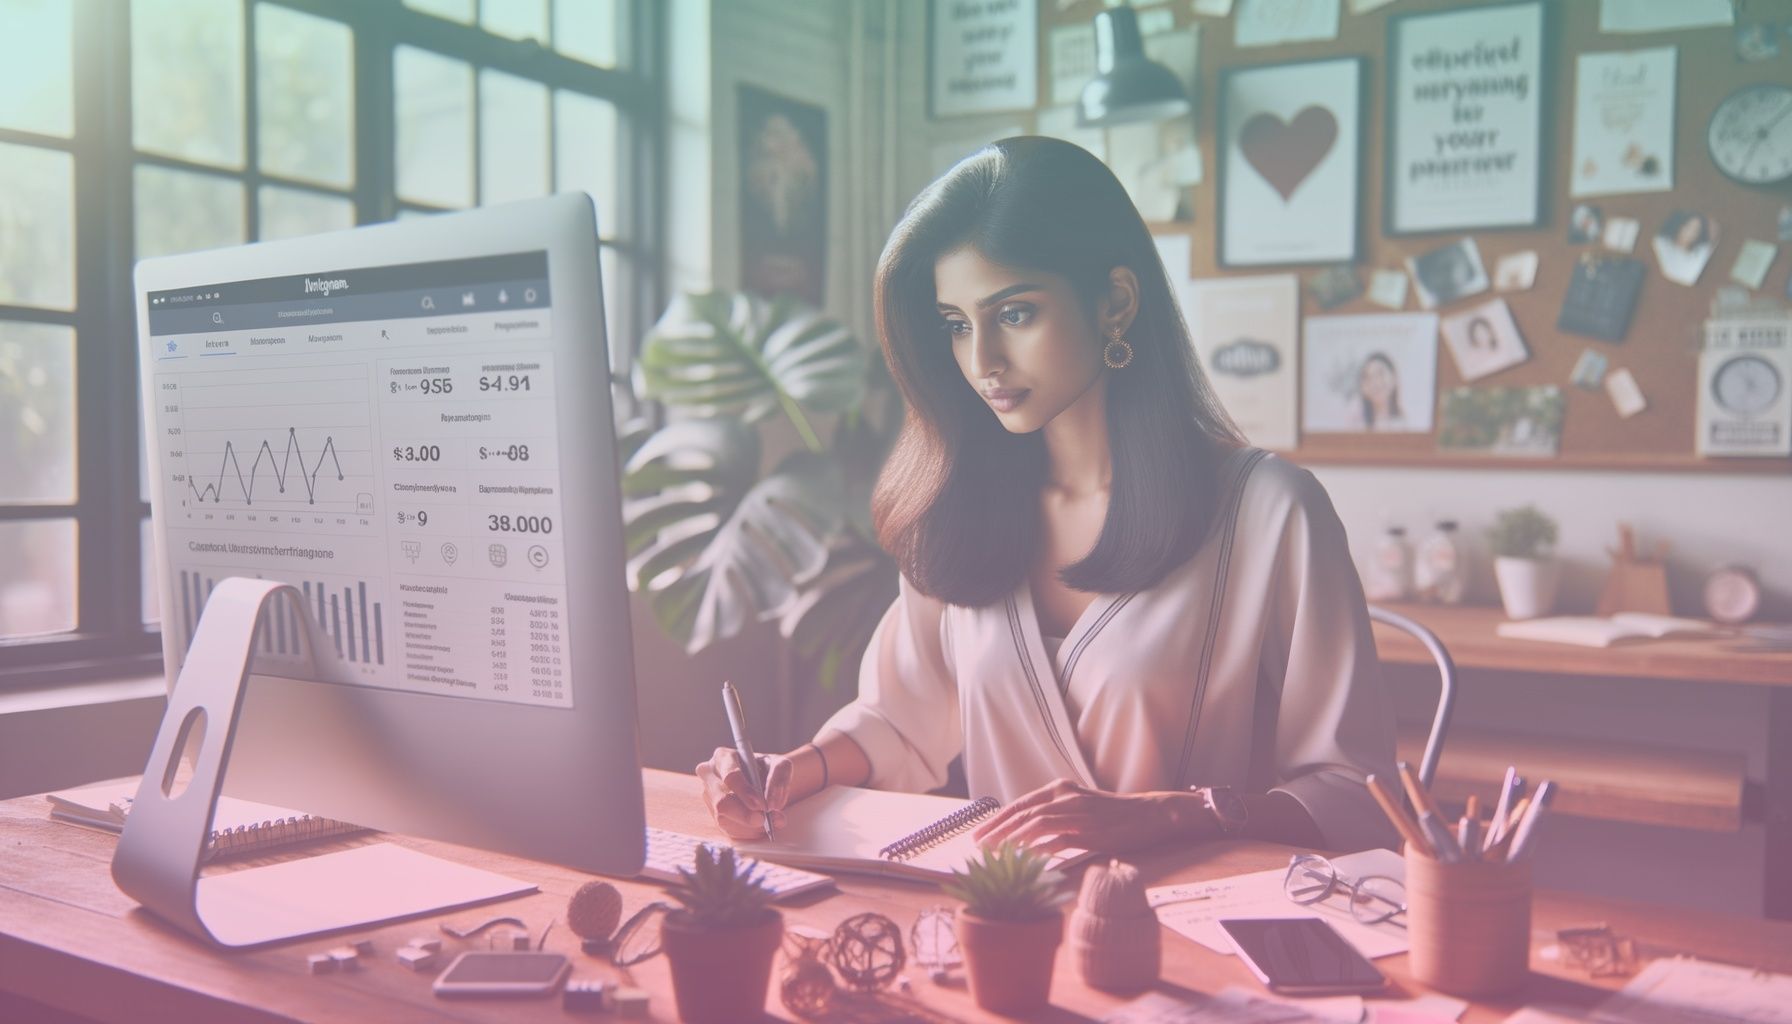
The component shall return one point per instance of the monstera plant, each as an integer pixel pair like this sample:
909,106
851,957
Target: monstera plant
717,539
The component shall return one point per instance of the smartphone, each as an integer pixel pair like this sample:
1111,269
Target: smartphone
477,974
1302,956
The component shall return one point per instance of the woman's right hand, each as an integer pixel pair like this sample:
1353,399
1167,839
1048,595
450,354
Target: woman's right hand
736,806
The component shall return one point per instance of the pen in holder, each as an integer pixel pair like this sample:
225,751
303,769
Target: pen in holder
1469,923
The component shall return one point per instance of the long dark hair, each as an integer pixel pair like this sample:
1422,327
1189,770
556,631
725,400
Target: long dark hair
957,504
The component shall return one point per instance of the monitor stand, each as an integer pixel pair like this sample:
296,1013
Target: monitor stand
163,845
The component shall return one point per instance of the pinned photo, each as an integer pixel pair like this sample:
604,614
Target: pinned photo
1388,288
1585,224
1626,396
1448,273
1484,340
1516,271
1750,269
1589,370
1621,233
1372,373
1683,245
1756,42
1502,421
1334,286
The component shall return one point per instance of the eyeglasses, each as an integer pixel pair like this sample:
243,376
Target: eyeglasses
639,937
1373,899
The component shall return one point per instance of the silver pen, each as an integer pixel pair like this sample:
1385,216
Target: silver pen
749,762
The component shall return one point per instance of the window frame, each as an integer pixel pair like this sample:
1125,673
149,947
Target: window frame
109,638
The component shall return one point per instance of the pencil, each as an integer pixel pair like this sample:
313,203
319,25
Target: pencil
1421,800
1498,850
1390,806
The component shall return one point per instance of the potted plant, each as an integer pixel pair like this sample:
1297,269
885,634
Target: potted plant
1523,540
1010,927
721,940
726,526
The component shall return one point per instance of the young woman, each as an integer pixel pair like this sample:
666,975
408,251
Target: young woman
1134,628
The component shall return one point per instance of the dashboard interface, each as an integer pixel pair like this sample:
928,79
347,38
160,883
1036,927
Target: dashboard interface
383,439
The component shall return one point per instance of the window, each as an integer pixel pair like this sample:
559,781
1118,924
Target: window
136,128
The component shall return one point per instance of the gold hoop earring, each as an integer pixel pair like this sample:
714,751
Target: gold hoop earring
1117,354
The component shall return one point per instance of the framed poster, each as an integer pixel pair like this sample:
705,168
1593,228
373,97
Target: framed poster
982,57
1246,334
1623,122
1290,163
1466,138
783,195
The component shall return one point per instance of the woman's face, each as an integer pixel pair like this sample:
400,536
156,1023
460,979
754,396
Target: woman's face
1020,338
1376,381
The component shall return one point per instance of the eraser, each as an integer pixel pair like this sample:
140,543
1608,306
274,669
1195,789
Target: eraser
418,959
432,945
363,946
321,963
631,1003
584,995
347,958
521,942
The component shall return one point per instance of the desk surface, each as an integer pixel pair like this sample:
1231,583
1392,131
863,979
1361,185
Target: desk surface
1467,632
70,939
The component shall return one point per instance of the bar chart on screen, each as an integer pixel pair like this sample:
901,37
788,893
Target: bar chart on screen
345,609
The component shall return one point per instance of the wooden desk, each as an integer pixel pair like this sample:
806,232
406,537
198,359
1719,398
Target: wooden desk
69,939
1691,789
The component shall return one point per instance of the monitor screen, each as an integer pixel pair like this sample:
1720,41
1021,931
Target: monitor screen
382,438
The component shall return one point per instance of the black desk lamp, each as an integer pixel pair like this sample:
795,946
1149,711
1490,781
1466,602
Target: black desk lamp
1128,86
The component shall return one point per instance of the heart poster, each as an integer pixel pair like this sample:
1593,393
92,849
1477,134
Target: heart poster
1290,163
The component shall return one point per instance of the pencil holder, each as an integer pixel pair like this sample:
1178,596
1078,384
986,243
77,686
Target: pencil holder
1469,924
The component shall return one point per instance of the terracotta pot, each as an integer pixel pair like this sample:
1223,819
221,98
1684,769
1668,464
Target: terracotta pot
1009,963
720,975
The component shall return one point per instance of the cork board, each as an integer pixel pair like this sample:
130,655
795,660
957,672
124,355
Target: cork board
1661,346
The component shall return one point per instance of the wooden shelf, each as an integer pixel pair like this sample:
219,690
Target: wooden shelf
1604,779
1468,634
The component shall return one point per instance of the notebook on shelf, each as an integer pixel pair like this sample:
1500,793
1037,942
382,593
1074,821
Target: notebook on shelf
870,831
239,827
1594,631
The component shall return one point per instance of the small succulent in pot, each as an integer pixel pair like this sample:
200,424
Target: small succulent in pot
1011,926
721,939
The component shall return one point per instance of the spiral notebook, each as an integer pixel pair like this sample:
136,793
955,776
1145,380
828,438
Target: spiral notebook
870,831
239,827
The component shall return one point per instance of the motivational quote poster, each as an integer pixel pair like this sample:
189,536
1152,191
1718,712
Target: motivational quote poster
1466,117
985,56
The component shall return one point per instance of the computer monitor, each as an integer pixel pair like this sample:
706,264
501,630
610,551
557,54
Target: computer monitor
411,424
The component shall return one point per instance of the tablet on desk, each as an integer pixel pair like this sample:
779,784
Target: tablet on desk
476,974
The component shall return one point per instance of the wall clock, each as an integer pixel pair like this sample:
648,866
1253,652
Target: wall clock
1750,135
1746,385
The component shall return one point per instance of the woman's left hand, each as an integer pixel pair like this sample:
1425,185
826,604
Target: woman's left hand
1065,815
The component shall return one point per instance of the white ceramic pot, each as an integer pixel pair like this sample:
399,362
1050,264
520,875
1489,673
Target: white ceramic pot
1527,585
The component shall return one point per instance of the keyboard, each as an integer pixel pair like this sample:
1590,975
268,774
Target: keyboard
668,851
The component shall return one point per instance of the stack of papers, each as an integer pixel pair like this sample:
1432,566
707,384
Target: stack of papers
1196,909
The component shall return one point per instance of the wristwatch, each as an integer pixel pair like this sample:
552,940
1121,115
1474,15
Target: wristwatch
1227,808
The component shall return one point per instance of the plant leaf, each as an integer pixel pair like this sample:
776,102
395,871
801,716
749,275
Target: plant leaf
717,354
718,549
832,620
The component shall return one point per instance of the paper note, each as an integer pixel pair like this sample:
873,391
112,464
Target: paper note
1589,370
1621,233
1339,1009
1401,1011
1213,8
1697,992
1515,271
1626,396
1388,288
1195,910
1073,60
1274,22
1655,16
1752,262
